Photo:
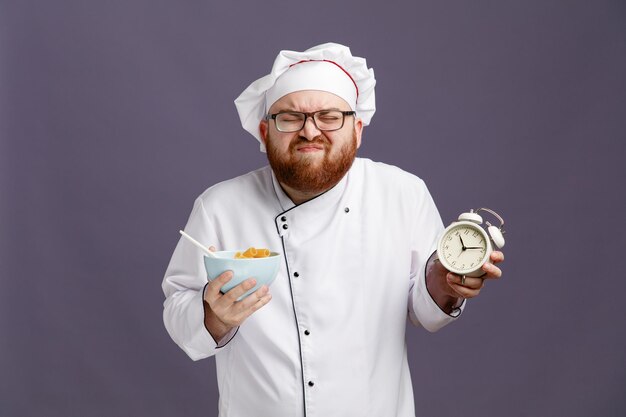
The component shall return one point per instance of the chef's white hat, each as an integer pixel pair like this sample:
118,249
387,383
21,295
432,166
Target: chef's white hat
328,67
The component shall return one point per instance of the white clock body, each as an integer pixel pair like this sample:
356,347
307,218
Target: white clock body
464,248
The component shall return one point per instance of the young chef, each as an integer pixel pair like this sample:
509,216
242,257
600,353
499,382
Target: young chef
356,237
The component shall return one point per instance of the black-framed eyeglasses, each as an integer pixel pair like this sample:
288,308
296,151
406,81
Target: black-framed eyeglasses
324,120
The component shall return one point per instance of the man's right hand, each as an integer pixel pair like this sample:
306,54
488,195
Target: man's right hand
223,312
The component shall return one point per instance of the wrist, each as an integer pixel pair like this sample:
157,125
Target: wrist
438,287
447,303
216,328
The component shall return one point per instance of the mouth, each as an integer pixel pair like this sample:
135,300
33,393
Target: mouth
309,148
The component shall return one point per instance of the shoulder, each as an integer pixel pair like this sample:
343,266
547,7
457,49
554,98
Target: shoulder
253,184
386,187
388,176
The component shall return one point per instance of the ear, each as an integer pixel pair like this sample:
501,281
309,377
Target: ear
358,130
264,130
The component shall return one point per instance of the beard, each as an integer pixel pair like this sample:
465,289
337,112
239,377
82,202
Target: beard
309,173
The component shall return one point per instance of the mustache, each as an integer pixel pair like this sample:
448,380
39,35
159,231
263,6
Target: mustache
318,140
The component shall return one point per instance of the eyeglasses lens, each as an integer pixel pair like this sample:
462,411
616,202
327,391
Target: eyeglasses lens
324,120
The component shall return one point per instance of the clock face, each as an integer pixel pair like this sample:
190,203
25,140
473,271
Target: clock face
464,248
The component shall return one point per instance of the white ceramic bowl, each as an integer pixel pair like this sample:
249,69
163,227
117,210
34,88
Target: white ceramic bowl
264,270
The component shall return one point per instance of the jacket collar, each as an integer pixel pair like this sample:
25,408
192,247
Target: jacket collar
327,199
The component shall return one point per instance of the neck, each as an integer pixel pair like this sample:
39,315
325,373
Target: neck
299,197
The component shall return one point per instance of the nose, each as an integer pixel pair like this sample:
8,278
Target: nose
310,130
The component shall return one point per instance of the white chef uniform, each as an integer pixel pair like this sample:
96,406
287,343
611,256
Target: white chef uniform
331,342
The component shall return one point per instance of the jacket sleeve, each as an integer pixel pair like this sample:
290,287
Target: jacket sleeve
184,284
427,229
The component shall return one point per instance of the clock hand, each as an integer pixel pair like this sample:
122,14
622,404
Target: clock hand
462,244
473,247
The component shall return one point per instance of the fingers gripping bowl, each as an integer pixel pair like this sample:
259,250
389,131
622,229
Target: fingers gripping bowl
263,270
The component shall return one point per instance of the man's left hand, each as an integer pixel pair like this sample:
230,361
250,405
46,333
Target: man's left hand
469,287
448,289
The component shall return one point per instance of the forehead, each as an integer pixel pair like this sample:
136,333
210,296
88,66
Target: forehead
309,100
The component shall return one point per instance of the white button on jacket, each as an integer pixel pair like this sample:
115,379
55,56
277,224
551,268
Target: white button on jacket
331,342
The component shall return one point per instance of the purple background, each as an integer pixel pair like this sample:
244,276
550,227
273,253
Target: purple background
115,115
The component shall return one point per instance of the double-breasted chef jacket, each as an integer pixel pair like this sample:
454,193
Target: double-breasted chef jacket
331,342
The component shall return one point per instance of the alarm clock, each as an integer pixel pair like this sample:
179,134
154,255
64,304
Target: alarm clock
465,245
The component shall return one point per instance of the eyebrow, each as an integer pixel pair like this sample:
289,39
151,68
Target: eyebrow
287,110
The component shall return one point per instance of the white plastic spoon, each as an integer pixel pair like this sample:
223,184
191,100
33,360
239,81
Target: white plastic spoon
198,244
